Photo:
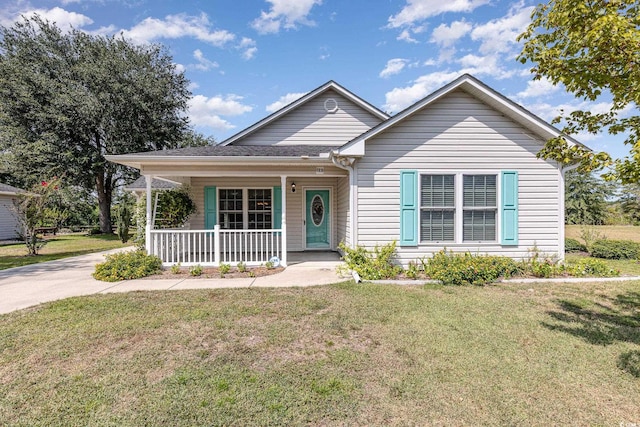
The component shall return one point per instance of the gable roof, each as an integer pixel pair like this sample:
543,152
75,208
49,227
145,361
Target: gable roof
7,189
330,85
475,88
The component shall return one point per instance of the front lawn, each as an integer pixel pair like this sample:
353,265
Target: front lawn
60,246
544,354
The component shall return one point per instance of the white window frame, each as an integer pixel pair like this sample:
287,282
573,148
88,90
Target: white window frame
481,208
245,203
459,207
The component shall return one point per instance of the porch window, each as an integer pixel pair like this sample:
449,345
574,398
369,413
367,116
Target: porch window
245,209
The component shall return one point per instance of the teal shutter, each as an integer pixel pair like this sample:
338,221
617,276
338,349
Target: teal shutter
408,208
277,207
509,208
210,207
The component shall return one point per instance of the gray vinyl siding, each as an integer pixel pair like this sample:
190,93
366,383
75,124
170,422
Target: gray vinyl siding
311,124
295,212
457,134
8,221
344,214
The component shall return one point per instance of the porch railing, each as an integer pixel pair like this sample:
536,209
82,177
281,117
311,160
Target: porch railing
212,247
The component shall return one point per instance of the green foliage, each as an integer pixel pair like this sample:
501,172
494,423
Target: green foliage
540,264
224,269
175,206
195,270
269,265
370,265
242,267
573,245
413,270
586,198
127,265
31,209
467,269
592,49
124,222
591,267
69,98
176,269
615,249
590,235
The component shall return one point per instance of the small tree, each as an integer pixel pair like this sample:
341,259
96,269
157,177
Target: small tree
31,210
124,222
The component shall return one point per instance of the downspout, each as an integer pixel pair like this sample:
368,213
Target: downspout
346,163
561,208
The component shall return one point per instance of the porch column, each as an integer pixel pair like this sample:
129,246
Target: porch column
283,184
147,228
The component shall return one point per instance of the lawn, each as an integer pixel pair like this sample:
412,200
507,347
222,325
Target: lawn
544,354
60,246
612,232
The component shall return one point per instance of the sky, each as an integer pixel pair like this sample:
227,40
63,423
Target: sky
247,58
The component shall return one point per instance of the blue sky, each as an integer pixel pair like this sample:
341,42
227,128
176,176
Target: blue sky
247,58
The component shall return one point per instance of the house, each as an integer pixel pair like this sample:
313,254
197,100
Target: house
457,169
8,220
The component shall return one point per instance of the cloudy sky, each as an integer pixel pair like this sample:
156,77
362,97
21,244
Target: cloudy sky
247,58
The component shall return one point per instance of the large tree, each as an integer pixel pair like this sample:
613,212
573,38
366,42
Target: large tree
67,99
592,47
586,198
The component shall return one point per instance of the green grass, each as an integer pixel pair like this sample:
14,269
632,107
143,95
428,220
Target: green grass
61,246
344,354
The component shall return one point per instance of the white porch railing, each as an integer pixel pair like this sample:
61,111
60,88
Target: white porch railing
212,247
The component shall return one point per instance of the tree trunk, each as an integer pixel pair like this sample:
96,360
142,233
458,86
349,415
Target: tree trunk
103,187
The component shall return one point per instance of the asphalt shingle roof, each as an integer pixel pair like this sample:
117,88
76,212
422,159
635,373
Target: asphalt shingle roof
244,150
156,184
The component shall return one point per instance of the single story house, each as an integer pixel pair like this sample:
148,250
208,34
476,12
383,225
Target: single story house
8,221
456,170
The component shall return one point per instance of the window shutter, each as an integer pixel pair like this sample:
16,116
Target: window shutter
408,208
277,207
509,208
210,207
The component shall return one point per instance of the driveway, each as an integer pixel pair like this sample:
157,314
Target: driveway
23,287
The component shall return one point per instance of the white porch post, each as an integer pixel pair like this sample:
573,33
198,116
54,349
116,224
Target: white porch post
283,184
147,228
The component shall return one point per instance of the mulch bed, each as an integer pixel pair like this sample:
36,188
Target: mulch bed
214,273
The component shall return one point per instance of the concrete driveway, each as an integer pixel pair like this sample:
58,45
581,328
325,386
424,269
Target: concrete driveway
23,287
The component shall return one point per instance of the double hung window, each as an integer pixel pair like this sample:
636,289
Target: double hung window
242,208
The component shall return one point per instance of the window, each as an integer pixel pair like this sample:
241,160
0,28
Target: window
437,208
231,209
259,209
479,208
443,210
245,209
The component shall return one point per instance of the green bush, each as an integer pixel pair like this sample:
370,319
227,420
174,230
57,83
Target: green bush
540,264
592,267
195,270
573,245
615,249
371,265
468,269
126,266
224,269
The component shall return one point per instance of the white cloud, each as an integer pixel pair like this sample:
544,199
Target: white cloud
399,98
487,65
537,88
446,36
205,111
499,35
405,35
419,10
61,17
177,26
284,14
203,64
550,111
394,66
284,101
248,47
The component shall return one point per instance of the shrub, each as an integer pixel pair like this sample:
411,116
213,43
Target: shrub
269,265
467,269
224,269
175,268
413,270
615,249
573,245
371,265
195,270
124,222
242,267
592,267
126,266
590,235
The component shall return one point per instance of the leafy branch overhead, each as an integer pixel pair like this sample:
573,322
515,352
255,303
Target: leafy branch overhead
592,47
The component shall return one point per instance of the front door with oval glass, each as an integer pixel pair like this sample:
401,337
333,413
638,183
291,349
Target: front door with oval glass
317,223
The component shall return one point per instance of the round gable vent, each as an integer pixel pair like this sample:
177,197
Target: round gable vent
331,105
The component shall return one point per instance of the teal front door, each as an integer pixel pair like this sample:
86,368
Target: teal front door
317,224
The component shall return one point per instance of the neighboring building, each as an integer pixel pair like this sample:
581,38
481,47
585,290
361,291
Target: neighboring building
8,221
457,169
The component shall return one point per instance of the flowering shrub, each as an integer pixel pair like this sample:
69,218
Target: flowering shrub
371,265
467,269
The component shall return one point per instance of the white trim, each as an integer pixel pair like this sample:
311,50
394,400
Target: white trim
331,217
283,221
245,174
147,227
